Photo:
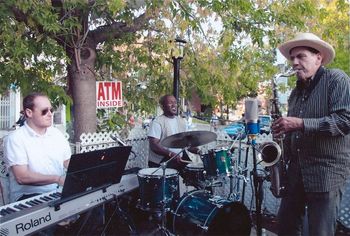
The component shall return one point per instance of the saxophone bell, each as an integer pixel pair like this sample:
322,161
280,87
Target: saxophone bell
269,153
271,157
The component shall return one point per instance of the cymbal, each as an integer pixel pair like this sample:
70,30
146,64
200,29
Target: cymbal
236,145
189,139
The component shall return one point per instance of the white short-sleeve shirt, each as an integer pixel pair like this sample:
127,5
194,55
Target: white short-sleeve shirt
43,154
155,131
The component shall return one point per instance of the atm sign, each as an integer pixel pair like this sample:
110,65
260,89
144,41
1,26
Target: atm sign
109,94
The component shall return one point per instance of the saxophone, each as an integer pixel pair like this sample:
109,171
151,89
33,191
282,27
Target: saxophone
272,152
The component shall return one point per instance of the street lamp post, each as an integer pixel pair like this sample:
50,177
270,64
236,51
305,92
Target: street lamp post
177,53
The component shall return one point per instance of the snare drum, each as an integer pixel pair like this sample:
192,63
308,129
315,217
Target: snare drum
194,174
151,192
200,213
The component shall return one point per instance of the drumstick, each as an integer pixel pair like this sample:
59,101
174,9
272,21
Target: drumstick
182,160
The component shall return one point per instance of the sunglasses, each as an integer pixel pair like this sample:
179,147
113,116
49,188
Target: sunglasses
46,110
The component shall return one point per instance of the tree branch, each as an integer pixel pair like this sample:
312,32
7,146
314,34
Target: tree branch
118,29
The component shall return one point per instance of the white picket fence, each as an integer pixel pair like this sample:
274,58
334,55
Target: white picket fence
4,112
137,138
9,109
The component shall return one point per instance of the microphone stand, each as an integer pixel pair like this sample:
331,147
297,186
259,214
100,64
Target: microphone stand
258,186
163,165
258,189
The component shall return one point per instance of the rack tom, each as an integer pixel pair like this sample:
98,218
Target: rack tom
217,162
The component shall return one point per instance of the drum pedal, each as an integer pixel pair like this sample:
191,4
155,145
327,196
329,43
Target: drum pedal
203,227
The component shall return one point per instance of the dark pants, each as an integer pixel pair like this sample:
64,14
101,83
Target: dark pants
322,210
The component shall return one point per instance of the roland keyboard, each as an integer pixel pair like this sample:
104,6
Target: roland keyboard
32,214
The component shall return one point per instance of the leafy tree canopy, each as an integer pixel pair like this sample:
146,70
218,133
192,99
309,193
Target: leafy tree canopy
230,46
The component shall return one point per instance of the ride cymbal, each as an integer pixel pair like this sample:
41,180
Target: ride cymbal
189,139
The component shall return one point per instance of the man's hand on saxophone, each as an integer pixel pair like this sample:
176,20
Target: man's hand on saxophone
285,125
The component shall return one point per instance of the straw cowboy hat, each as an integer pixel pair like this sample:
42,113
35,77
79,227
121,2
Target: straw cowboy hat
309,40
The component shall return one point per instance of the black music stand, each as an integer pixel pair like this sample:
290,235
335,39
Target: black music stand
91,171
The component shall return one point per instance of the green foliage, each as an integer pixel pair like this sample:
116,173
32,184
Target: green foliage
110,120
230,45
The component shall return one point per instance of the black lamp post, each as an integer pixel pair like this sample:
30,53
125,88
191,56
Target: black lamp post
177,53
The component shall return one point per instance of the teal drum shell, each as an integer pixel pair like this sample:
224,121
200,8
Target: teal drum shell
200,213
217,162
151,190
223,161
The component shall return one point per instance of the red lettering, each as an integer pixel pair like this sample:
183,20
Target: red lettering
108,86
116,91
109,103
101,94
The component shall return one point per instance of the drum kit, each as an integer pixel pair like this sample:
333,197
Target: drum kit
197,211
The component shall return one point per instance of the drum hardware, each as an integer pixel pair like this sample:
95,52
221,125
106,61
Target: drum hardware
241,173
245,173
231,194
203,227
213,183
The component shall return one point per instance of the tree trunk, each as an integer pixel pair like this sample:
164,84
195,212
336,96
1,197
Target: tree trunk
83,82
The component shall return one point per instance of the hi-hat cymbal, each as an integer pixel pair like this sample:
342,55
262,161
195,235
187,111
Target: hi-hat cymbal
236,145
189,139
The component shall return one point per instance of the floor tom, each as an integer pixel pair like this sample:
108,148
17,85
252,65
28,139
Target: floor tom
151,190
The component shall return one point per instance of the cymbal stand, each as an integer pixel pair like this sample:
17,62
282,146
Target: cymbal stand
238,163
245,174
240,175
162,228
232,195
235,195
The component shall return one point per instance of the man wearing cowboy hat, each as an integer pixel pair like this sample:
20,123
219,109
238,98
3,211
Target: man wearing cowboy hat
317,138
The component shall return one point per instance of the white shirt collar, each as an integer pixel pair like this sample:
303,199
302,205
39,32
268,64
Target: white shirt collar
33,133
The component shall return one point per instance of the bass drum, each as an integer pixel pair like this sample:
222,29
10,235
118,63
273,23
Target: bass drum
200,213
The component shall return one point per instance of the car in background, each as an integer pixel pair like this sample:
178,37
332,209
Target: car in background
235,129
265,124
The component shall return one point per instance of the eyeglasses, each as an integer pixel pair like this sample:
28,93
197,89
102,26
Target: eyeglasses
46,110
